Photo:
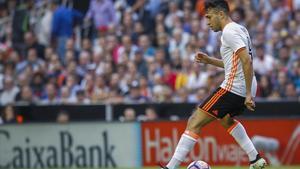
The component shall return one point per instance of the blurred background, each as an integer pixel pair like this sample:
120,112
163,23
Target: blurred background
125,68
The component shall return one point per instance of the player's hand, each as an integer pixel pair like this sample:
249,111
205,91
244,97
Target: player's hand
201,57
249,102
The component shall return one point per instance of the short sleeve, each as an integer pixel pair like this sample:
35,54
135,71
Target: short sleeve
234,40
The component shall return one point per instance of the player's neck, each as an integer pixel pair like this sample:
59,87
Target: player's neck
225,22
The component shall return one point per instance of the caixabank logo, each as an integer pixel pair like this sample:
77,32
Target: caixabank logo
65,154
68,146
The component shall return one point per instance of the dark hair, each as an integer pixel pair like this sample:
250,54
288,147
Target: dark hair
217,4
241,12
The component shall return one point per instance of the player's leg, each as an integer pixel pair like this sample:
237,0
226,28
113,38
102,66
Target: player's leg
199,119
188,139
238,132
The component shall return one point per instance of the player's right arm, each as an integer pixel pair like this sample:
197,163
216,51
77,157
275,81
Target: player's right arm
204,58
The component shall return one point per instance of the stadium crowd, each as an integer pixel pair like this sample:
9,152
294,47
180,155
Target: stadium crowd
136,51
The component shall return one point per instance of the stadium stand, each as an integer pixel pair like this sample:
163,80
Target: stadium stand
127,51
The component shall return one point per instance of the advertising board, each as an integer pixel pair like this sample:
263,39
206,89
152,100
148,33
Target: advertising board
278,140
77,145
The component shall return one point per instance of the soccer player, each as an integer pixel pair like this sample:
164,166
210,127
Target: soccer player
234,94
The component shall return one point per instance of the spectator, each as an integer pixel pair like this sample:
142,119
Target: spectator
163,43
284,55
26,96
114,83
197,78
63,117
129,115
8,115
111,48
169,76
183,75
102,13
65,95
148,50
274,96
101,90
135,95
179,41
281,82
173,14
70,46
132,73
290,92
23,80
115,97
151,114
140,62
181,96
86,45
72,84
10,91
81,98
30,41
44,30
262,63
62,25
160,57
199,96
98,63
84,61
48,52
162,94
144,88
127,22
50,95
32,62
139,29
87,84
157,81
295,75
176,59
21,22
264,88
127,48
54,66
37,84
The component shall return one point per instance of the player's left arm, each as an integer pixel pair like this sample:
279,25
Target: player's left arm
247,68
248,73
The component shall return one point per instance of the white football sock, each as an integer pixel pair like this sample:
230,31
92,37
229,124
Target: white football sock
239,133
184,146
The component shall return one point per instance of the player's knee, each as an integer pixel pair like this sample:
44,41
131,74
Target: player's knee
192,123
195,123
194,127
227,122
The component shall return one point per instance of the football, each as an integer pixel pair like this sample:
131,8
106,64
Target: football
198,165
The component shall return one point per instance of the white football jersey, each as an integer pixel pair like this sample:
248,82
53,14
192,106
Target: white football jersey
235,37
